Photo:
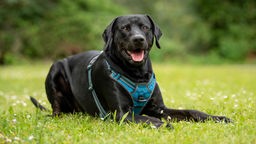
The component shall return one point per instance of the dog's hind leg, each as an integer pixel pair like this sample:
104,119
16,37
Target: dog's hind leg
53,95
59,92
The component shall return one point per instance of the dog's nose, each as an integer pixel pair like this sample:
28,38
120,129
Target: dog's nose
138,39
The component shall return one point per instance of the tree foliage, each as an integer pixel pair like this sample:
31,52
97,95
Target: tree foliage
232,26
52,28
58,28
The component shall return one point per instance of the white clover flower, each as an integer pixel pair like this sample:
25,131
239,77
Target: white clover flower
188,93
7,140
28,116
24,104
14,97
225,96
16,138
31,137
14,120
233,95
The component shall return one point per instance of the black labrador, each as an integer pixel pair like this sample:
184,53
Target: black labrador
119,80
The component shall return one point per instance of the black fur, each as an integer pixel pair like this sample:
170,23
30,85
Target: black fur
67,82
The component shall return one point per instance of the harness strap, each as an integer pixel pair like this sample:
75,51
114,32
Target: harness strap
103,114
140,92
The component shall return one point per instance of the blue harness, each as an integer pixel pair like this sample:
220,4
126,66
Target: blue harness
140,92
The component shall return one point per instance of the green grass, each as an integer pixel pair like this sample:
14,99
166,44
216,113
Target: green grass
228,90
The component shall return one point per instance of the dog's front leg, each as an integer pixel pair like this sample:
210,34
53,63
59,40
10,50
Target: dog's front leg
157,108
191,115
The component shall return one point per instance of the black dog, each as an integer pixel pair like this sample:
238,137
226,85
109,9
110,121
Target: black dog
120,79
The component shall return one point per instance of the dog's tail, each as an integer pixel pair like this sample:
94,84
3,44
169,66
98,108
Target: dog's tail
38,105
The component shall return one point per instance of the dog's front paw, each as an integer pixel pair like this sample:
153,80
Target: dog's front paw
168,126
222,119
202,117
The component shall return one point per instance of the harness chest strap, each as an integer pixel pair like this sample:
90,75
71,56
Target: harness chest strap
140,92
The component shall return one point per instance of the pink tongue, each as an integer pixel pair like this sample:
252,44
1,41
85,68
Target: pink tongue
137,56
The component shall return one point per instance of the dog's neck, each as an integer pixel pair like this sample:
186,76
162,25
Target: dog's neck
141,73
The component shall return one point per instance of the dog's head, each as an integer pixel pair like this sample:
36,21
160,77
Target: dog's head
131,38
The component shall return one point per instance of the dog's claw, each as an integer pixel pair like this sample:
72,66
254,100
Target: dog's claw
169,126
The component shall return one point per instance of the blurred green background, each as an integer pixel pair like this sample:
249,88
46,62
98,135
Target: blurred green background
194,31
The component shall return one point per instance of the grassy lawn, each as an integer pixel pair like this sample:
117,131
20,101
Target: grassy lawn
228,90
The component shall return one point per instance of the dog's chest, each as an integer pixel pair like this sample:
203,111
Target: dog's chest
139,92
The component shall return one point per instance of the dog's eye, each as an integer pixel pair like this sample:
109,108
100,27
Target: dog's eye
145,28
126,28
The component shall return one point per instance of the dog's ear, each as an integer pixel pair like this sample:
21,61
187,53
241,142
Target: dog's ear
107,35
156,31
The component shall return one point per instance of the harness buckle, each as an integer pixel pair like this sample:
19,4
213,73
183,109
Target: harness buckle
89,66
90,88
142,99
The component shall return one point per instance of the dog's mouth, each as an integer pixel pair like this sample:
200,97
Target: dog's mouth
136,55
